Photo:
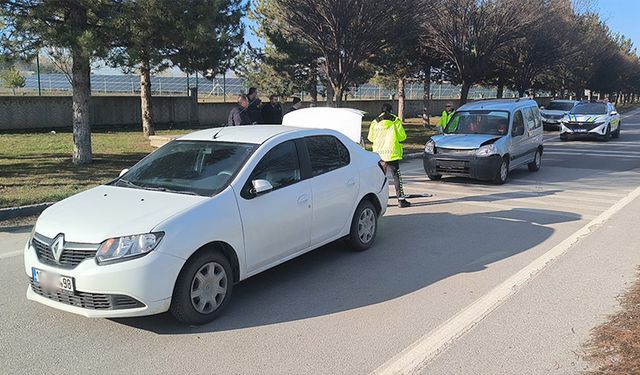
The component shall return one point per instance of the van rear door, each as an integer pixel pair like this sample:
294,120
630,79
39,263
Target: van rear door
347,121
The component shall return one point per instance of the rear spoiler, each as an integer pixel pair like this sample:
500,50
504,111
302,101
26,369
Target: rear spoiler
347,121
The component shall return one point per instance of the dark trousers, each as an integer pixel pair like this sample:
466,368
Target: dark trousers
394,168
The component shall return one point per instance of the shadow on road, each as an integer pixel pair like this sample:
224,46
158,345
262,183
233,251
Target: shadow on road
413,250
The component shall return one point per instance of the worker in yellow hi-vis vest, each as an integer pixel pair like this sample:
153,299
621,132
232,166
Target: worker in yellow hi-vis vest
387,134
446,116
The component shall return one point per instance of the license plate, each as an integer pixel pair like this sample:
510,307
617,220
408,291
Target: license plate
580,130
52,281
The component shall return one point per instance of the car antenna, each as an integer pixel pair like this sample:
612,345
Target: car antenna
215,136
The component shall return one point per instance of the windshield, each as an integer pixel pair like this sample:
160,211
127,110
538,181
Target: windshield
589,109
479,122
188,167
559,106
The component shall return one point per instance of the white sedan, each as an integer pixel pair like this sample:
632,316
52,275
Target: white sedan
212,208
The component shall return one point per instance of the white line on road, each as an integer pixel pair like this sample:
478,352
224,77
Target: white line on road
10,254
415,357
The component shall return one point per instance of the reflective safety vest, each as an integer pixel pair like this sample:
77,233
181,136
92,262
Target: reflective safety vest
444,119
386,133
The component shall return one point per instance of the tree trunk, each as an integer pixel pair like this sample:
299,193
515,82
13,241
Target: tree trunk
500,89
330,93
401,97
145,100
464,93
81,85
313,89
339,96
426,96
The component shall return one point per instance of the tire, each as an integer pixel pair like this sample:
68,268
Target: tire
364,226
564,137
434,177
502,173
616,134
534,166
607,135
185,304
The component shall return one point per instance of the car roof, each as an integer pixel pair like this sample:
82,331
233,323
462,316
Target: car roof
498,104
565,101
255,134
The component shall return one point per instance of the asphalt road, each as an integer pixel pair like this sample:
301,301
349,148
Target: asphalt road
333,311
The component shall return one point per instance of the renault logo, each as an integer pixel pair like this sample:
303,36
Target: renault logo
57,247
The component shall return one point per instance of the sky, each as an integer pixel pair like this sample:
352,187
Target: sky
622,16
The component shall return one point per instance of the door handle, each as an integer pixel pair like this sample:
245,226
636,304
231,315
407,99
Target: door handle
351,181
303,199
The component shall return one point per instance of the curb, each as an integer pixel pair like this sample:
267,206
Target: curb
15,212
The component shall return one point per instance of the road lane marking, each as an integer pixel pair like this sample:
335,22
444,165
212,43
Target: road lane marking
11,254
415,357
592,154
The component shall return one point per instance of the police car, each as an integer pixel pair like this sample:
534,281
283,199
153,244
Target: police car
594,119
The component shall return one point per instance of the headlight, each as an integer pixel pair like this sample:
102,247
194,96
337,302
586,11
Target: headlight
127,247
430,148
487,150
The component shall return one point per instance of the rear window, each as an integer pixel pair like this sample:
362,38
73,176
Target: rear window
327,153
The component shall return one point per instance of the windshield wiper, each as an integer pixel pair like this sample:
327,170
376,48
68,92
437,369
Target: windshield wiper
167,190
129,183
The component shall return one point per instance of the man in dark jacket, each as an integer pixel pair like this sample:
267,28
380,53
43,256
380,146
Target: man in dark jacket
272,111
238,114
254,106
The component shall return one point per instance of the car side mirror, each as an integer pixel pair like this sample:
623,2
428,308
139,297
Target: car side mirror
123,172
541,107
261,187
614,113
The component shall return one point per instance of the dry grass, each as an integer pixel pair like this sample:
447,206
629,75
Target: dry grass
614,347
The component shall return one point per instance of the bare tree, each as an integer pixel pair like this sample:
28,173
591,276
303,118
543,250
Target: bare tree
466,33
347,33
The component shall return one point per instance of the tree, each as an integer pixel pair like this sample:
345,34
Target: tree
521,62
195,35
346,33
84,27
466,33
290,63
12,79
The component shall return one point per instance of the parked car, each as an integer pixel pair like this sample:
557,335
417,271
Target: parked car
556,111
486,139
212,208
591,119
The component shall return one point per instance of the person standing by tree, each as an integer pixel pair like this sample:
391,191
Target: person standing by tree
387,134
254,106
446,116
272,111
239,114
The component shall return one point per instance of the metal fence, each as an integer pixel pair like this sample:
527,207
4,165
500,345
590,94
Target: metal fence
221,87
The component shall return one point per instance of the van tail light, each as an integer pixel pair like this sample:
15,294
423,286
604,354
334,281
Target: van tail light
383,167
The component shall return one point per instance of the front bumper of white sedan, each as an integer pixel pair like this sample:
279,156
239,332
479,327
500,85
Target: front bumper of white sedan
136,287
584,129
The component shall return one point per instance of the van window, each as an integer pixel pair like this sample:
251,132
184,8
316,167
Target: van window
529,118
537,117
518,124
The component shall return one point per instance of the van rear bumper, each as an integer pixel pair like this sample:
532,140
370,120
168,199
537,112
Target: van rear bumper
479,168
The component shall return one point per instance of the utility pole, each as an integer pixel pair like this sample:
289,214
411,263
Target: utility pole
38,72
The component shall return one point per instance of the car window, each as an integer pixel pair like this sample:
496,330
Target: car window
537,117
518,124
326,153
280,166
530,118
188,167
